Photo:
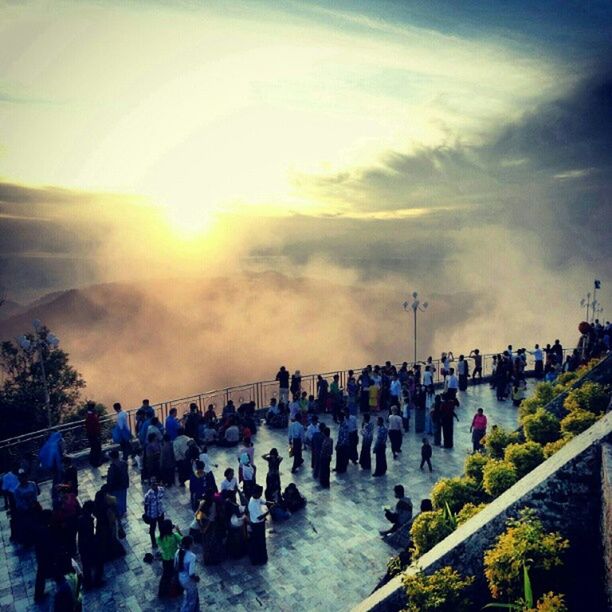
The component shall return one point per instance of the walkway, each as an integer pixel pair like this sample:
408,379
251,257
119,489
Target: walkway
328,557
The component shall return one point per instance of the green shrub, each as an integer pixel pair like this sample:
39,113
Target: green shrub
429,528
577,421
456,492
551,602
498,476
442,591
473,466
541,427
497,439
529,406
552,447
566,379
544,392
590,396
523,543
524,457
468,511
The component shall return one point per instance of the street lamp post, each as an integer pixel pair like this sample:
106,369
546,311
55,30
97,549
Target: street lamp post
37,345
586,302
415,306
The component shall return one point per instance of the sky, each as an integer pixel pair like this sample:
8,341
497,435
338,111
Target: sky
455,148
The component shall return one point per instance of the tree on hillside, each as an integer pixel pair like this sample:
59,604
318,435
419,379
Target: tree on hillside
22,395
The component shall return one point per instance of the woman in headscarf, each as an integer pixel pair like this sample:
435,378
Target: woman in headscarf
51,456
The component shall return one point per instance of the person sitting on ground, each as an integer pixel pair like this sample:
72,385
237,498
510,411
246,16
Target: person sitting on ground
293,499
210,416
273,411
231,436
402,514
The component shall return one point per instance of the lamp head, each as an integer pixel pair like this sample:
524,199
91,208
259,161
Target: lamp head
414,294
425,304
24,343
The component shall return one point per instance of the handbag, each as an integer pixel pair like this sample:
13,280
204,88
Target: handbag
146,519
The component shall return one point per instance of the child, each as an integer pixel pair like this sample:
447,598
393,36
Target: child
426,453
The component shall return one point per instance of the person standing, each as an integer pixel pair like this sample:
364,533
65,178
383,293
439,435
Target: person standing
462,371
426,452
118,481
169,542
342,446
335,393
296,441
258,511
185,567
327,450
123,433
26,496
154,509
167,463
452,383
367,434
181,447
364,383
89,550
322,392
273,482
283,385
380,448
478,429
172,425
94,433
395,432
352,424
315,444
538,356
447,410
477,357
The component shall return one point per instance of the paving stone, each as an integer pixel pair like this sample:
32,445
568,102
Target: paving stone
327,557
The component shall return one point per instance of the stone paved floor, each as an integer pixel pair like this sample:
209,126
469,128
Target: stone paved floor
327,557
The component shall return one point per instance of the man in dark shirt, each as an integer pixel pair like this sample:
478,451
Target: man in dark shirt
283,384
403,511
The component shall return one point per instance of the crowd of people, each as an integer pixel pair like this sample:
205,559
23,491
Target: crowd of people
375,408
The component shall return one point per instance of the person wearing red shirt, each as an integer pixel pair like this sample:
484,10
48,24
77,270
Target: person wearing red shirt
94,434
478,429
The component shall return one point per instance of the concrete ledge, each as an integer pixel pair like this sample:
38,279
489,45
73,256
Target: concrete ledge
606,516
544,488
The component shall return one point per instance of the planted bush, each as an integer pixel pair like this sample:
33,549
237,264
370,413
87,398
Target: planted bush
590,396
525,542
429,528
473,466
442,591
524,457
468,511
552,447
551,602
498,476
577,421
454,492
541,427
497,439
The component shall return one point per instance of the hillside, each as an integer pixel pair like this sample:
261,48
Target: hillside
170,338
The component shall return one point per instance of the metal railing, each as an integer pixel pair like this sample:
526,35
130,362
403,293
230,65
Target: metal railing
261,392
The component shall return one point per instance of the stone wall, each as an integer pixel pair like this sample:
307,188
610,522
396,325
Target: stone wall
566,492
606,516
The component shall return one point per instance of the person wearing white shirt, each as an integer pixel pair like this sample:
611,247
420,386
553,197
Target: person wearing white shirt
123,429
538,355
395,390
229,483
428,377
395,432
257,512
452,384
185,567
